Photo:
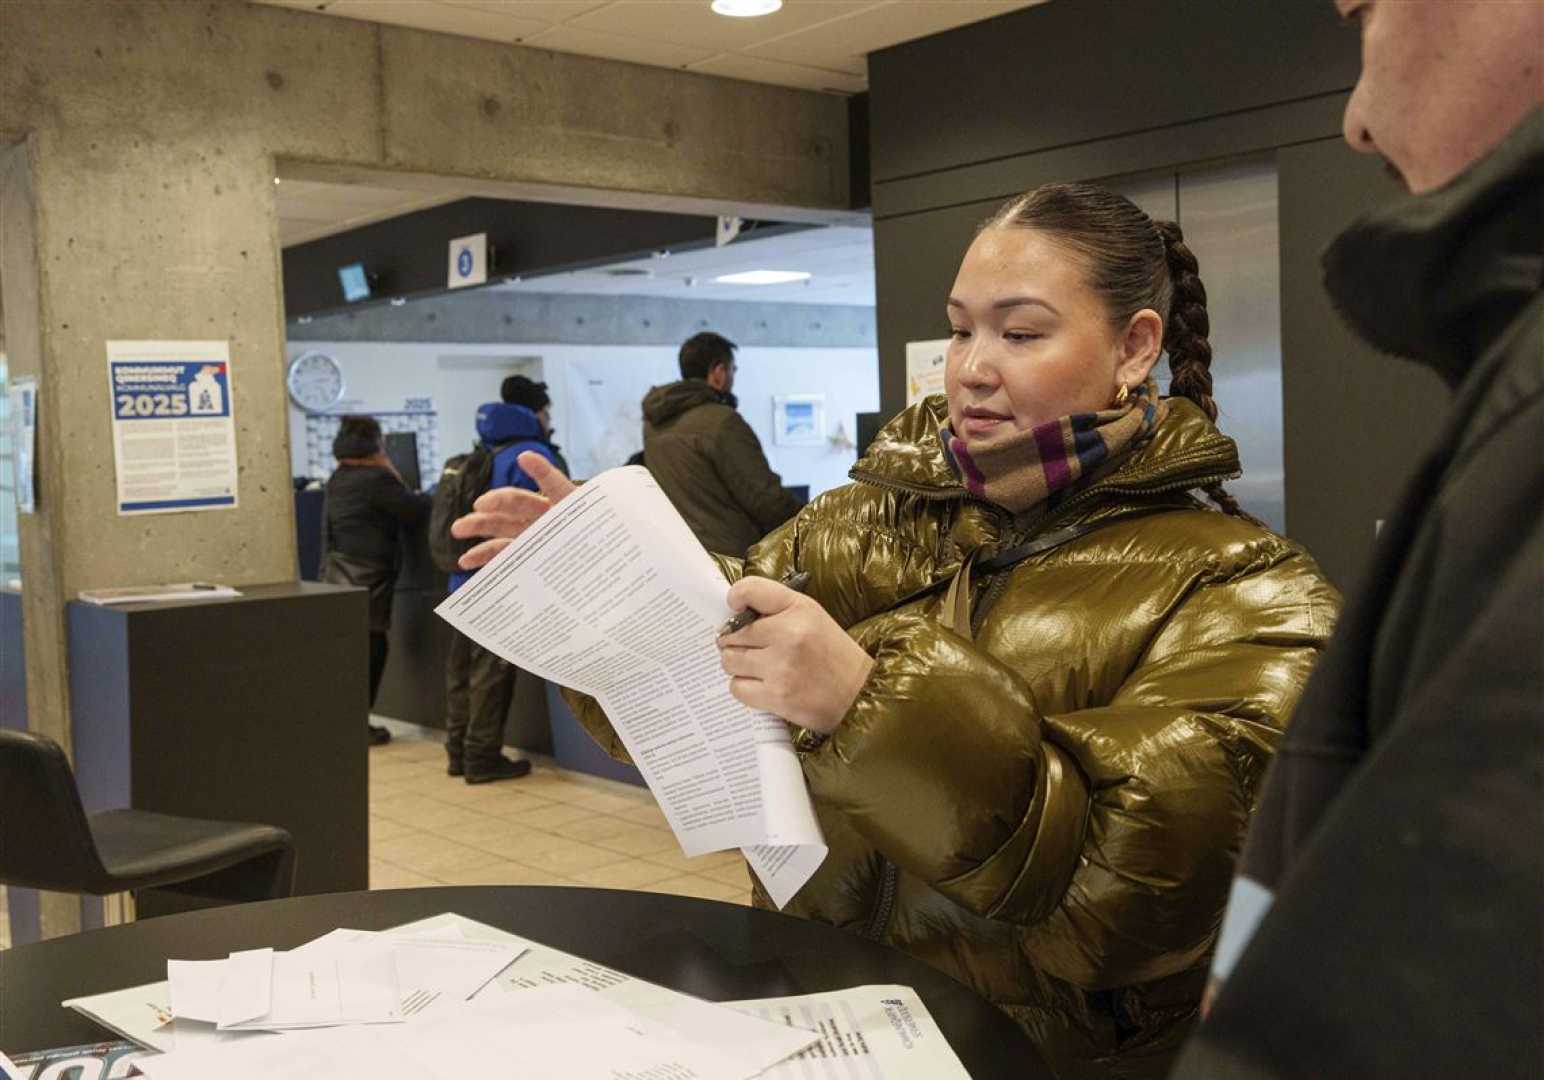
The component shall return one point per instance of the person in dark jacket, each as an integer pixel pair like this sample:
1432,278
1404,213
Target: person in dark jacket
367,505
1388,916
479,685
706,458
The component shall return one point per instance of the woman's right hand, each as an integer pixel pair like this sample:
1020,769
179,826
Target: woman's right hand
505,513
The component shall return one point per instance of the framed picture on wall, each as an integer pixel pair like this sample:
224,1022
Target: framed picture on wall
799,420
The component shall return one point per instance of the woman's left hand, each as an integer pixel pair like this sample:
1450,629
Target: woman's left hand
795,661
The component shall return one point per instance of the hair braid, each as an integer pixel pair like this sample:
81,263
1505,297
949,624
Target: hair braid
1187,324
1185,340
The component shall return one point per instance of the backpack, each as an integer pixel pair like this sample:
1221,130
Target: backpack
464,478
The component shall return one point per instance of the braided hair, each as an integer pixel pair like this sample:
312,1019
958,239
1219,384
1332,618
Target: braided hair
1133,262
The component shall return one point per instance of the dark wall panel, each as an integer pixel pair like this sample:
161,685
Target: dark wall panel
410,253
1356,420
916,258
1071,71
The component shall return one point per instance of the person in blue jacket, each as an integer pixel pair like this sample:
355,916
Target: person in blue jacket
478,684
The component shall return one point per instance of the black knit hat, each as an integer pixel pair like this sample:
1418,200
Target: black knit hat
519,390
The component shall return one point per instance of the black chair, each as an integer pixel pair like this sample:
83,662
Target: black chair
48,842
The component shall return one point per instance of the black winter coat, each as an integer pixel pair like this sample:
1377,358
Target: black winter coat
1398,849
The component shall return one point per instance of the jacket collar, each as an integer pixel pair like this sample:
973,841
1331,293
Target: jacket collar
1435,277
1186,450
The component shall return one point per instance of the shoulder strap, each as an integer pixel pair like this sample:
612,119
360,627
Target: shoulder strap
1038,546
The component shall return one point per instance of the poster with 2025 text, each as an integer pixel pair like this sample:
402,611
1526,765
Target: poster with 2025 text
174,425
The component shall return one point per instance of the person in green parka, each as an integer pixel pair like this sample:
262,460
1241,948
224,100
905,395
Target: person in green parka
1036,679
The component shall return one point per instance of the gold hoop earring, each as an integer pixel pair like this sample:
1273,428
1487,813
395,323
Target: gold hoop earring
1122,396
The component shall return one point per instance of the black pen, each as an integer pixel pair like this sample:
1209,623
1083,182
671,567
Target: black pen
797,582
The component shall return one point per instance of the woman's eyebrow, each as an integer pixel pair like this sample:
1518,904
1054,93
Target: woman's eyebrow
1012,301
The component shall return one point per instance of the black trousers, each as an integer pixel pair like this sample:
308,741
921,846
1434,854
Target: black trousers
380,645
478,689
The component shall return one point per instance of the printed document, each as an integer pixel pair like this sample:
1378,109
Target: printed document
555,1033
609,593
877,1032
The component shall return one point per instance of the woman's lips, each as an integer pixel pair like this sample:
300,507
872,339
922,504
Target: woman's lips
982,423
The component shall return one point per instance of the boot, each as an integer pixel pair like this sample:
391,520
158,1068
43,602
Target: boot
496,768
453,762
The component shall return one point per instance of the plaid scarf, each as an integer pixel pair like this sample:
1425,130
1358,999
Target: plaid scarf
1028,467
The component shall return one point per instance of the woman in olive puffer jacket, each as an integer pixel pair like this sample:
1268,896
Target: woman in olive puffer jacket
1037,777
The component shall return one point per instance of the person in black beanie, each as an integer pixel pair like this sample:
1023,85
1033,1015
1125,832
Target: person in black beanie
520,390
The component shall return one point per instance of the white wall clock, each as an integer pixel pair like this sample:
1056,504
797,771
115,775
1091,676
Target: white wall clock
315,381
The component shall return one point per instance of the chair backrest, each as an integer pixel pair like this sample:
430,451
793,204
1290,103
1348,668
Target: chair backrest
45,840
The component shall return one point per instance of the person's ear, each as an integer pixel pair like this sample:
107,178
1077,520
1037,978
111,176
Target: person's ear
1138,349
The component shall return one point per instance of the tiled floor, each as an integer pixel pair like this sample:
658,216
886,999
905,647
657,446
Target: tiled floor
552,827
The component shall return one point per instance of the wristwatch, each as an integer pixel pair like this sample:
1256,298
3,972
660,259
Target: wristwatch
806,741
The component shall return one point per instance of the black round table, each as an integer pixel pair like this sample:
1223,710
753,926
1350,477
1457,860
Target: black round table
721,952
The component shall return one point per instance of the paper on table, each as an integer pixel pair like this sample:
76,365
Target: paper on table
193,989
346,983
610,593
135,1013
555,1033
428,978
434,970
886,1028
691,1018
246,987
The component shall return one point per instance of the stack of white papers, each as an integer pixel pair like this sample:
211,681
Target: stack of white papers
549,1015
346,977
610,593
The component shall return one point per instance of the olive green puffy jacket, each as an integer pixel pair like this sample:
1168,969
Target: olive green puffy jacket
1050,812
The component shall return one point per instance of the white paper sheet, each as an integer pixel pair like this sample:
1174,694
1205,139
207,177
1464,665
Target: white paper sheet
137,1014
693,1019
246,987
610,593
876,1032
553,1033
434,970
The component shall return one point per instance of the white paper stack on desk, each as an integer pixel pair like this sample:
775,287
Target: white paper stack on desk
347,977
549,1014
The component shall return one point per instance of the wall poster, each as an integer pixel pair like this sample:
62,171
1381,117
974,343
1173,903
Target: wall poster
925,368
174,425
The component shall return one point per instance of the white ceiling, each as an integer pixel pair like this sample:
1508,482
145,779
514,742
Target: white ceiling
310,210
840,258
812,44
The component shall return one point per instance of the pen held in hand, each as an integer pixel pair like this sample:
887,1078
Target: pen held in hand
797,582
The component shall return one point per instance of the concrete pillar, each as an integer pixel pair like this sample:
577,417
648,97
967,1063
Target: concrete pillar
140,206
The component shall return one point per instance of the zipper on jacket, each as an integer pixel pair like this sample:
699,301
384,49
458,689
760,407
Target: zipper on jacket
880,918
920,490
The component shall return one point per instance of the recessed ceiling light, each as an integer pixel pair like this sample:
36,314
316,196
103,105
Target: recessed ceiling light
763,277
746,9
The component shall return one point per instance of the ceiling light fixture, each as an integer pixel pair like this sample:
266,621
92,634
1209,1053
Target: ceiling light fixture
746,9
763,277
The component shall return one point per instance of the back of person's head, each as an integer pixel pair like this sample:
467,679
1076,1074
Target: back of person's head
358,437
520,390
703,352
1131,262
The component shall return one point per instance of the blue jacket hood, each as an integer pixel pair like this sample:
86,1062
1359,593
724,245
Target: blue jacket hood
500,423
